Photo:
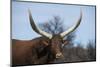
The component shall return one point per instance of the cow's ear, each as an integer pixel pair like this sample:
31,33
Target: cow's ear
45,43
65,42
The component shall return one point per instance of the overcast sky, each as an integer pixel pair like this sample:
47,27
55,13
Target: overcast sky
43,12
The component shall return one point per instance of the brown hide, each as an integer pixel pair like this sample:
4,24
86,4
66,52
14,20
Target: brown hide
27,52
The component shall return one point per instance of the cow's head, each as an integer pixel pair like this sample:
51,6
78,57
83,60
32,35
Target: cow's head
56,41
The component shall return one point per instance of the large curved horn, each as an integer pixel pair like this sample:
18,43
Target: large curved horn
37,29
63,34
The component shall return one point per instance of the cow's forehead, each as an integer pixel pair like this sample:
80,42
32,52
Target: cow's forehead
57,36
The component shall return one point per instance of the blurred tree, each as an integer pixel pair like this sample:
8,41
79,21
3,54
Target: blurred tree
53,26
91,49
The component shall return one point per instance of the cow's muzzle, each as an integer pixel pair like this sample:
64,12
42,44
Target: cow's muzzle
59,55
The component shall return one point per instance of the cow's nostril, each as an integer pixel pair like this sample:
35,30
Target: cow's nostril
59,55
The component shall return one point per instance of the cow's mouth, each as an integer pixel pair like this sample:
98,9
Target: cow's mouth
59,55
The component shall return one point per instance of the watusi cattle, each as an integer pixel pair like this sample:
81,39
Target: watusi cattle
41,50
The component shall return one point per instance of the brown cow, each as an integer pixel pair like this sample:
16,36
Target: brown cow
42,49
